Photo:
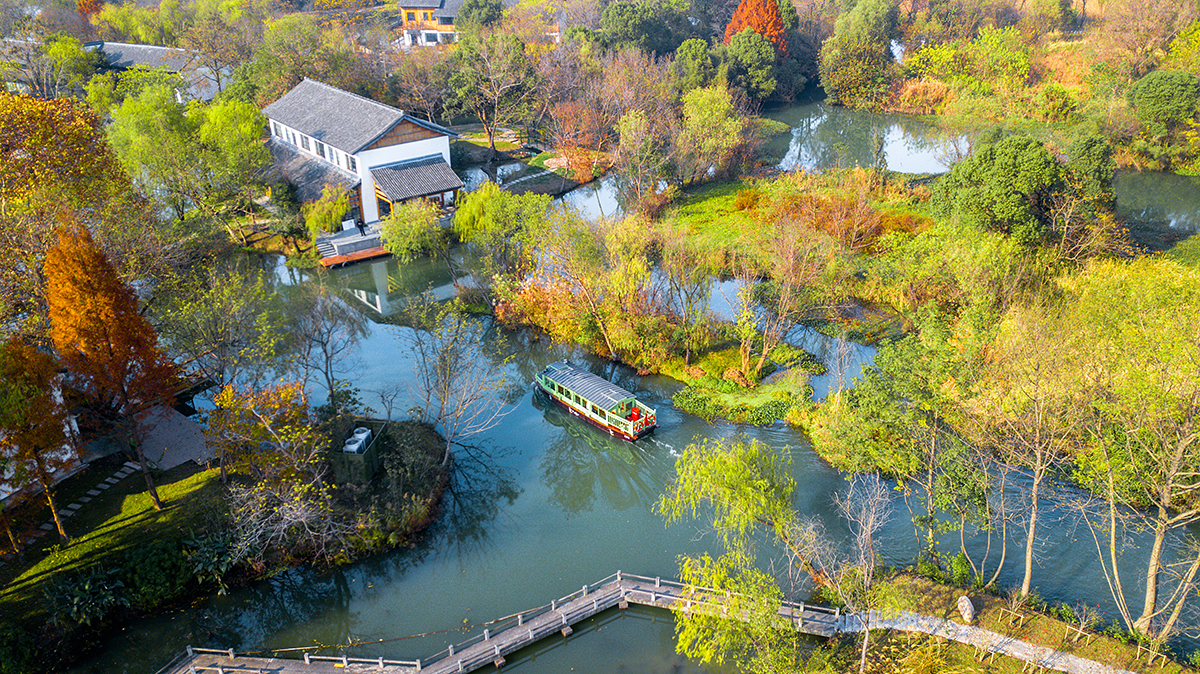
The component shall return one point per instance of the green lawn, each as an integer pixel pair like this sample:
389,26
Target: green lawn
1187,252
708,216
119,519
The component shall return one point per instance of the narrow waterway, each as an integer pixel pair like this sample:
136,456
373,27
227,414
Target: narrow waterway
542,503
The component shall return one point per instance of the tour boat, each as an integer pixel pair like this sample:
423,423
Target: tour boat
598,401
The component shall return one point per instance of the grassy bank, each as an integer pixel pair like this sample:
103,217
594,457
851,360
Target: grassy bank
1030,622
126,559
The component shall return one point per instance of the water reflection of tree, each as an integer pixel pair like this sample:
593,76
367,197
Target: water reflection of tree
472,501
582,463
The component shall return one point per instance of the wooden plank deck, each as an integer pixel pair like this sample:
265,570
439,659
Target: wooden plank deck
356,256
515,632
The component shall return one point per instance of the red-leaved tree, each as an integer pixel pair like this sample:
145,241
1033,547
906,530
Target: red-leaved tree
109,348
33,440
762,17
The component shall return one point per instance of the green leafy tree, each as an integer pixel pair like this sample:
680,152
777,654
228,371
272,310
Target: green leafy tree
1005,186
227,322
1164,99
712,131
485,13
856,62
750,63
745,490
493,80
695,64
1139,371
504,228
414,228
201,158
325,214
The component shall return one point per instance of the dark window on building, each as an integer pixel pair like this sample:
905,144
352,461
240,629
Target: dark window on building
412,16
304,142
320,147
426,16
352,164
275,129
445,21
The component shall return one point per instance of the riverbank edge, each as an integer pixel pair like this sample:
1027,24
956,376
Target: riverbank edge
27,647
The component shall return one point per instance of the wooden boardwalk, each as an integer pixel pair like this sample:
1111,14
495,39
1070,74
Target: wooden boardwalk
514,632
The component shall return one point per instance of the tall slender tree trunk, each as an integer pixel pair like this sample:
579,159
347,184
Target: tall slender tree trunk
12,538
1169,626
58,523
1150,605
150,488
1031,535
862,659
1003,532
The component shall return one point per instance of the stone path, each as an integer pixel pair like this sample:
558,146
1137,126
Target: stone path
531,176
985,640
72,508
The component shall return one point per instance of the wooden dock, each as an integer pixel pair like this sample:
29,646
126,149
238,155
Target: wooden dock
356,256
517,631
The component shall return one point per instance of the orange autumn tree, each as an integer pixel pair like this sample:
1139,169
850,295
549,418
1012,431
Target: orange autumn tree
33,438
110,350
762,17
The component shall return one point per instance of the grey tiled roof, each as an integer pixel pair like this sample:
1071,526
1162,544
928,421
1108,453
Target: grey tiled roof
124,55
421,4
308,175
416,178
592,388
339,118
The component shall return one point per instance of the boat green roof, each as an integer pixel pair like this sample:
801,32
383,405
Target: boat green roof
594,389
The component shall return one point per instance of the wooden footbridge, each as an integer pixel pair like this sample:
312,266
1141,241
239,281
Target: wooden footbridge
515,632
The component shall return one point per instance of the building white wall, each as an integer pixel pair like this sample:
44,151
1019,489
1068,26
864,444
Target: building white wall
371,158
390,155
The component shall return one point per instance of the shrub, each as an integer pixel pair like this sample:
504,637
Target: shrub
17,649
746,199
211,556
155,573
923,97
1165,98
85,598
960,569
1054,103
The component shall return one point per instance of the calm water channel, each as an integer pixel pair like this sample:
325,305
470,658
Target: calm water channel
543,504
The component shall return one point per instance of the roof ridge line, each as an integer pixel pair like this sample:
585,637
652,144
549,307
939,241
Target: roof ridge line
364,98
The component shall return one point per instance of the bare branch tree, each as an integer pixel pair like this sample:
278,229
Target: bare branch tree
457,388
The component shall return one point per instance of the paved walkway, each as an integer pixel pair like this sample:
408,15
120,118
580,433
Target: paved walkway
71,508
985,640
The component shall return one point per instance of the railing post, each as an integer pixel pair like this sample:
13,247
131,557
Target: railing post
344,662
307,660
658,581
191,669
231,655
418,665
520,620
381,662
584,591
451,650
618,575
487,634
190,652
552,607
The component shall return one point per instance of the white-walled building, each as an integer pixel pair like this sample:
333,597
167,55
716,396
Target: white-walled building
382,156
